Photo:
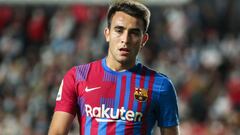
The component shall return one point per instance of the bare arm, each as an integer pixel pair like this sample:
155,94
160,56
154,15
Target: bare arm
170,130
61,122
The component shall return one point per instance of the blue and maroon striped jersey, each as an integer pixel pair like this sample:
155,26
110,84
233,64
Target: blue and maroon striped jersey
122,103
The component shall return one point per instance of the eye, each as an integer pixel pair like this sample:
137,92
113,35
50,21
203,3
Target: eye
118,30
135,32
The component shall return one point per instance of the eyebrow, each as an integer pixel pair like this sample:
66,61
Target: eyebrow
119,27
136,29
131,29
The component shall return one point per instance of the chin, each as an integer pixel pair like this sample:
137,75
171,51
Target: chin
124,60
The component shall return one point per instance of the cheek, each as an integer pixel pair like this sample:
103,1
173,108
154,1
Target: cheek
137,40
112,46
138,43
115,39
138,46
114,42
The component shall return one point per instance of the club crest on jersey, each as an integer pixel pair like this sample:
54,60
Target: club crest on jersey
141,94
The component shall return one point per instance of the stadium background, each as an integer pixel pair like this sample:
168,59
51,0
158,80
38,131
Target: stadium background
196,43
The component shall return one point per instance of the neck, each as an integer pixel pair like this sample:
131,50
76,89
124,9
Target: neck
118,66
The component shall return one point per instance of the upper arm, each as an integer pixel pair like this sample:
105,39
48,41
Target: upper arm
66,105
170,130
66,100
167,108
61,122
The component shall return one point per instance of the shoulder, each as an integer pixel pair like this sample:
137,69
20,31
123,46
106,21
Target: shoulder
82,67
162,78
157,75
81,71
162,82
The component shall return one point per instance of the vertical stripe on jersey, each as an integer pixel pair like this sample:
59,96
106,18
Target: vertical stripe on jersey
83,123
137,85
138,105
108,77
146,84
81,72
94,127
148,122
118,91
81,103
130,102
121,125
102,126
126,100
108,102
123,91
132,90
127,90
88,125
111,126
142,80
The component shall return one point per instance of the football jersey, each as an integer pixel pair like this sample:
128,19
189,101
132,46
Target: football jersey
107,102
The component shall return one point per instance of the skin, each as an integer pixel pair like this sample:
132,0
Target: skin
169,130
61,123
128,32
125,32
126,37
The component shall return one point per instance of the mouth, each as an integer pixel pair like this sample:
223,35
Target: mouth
124,51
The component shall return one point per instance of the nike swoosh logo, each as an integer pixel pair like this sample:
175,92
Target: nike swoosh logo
91,89
108,120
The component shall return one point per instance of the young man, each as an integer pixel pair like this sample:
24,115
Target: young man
116,95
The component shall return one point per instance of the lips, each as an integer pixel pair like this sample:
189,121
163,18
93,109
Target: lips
124,51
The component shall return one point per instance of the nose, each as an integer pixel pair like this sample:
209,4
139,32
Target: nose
125,37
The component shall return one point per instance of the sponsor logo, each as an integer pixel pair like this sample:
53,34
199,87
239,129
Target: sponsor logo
141,94
107,114
91,89
59,95
108,120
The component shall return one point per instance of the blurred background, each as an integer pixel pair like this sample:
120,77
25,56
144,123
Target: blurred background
195,42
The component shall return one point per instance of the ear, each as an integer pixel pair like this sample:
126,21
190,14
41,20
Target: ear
106,33
145,39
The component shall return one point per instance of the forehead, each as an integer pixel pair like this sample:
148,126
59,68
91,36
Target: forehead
127,21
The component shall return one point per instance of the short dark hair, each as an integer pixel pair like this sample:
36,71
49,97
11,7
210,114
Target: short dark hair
132,8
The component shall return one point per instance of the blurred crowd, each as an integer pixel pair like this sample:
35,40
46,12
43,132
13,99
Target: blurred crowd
197,45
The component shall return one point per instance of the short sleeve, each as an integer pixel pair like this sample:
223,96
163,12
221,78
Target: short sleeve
167,112
66,100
